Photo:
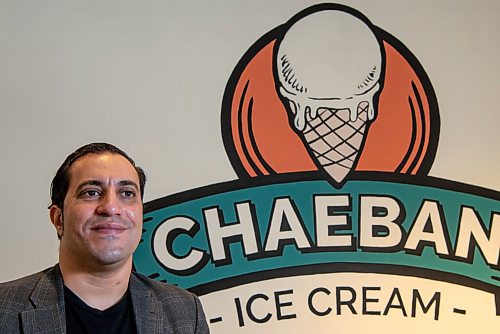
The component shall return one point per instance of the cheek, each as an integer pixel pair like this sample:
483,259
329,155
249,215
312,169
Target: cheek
134,215
77,216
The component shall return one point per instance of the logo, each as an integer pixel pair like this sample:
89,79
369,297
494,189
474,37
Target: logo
332,126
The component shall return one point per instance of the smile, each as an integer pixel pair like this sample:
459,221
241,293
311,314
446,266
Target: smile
109,228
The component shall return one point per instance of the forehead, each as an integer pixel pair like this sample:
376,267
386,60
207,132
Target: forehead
104,167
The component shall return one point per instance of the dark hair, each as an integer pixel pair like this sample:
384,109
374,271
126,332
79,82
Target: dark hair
60,182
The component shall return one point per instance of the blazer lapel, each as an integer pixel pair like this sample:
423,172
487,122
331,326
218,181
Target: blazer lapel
48,299
148,309
45,320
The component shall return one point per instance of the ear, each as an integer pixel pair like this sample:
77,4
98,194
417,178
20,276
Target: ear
56,218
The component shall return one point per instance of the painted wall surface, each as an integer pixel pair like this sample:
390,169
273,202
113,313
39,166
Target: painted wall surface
151,78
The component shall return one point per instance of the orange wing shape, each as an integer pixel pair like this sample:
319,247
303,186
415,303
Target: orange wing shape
261,140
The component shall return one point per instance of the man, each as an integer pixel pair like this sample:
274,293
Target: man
97,212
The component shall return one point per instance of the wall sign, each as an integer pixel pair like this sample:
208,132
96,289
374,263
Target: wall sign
331,125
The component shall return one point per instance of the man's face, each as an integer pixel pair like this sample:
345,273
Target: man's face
102,214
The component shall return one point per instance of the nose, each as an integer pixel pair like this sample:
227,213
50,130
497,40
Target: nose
109,205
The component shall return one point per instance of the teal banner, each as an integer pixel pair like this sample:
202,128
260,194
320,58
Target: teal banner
215,234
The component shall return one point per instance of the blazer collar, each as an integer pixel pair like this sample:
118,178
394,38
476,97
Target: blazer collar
48,315
148,310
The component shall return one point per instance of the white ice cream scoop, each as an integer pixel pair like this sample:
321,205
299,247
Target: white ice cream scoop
330,61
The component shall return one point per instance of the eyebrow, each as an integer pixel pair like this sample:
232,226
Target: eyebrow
101,184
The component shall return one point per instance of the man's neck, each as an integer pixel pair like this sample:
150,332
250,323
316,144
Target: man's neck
99,288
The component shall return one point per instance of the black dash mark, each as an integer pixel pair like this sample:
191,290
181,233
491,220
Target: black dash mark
496,278
459,311
214,320
154,275
147,219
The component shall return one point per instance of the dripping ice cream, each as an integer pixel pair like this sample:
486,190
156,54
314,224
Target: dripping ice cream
329,66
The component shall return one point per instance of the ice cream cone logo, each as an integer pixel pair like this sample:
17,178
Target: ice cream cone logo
331,87
329,92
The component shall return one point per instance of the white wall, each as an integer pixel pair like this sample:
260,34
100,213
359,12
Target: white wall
149,77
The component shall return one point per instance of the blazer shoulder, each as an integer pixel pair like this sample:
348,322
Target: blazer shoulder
181,309
15,297
165,292
23,291
19,287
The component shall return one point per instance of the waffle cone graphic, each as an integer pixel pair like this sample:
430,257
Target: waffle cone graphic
334,139
329,67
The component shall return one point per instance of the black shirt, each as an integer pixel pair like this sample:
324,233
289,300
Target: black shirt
83,319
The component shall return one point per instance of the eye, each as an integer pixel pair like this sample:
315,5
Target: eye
128,193
90,193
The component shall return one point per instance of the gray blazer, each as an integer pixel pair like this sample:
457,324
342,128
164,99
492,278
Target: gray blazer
35,304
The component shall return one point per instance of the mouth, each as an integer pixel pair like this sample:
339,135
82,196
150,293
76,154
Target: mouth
109,228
